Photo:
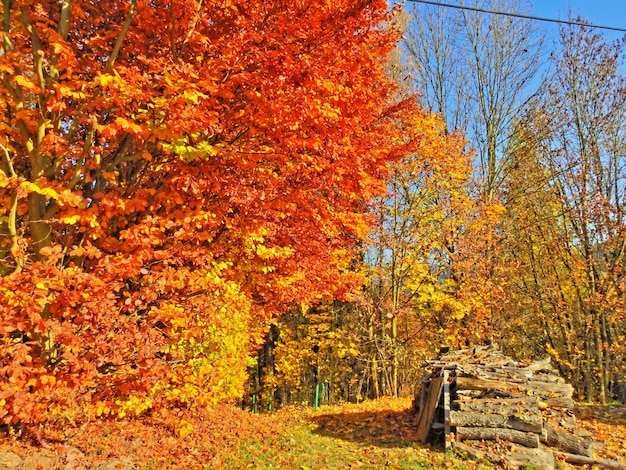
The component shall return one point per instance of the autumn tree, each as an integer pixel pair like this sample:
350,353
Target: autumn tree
175,173
425,284
476,69
312,353
566,199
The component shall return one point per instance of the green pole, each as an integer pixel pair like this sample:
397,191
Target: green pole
254,402
317,396
270,401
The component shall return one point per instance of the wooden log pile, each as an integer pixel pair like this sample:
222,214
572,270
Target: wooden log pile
476,395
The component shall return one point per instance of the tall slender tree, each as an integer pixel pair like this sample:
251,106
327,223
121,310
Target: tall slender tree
477,70
574,225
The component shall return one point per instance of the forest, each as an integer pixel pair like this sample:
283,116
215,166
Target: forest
262,204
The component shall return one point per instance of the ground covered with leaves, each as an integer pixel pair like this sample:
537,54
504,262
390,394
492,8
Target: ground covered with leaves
376,434
606,425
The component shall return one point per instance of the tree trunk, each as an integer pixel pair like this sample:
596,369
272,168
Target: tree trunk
567,442
519,422
518,437
375,388
394,356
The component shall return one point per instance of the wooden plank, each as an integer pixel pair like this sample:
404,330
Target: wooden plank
427,414
559,402
551,378
542,364
468,394
511,375
520,458
567,442
538,459
446,409
423,388
584,460
505,388
464,396
520,422
511,435
501,406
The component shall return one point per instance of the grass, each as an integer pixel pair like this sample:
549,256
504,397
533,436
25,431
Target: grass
303,448
374,435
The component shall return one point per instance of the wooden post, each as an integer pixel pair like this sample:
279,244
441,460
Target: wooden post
446,409
427,414
423,388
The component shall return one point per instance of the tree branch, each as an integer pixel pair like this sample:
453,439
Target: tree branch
15,247
6,26
120,38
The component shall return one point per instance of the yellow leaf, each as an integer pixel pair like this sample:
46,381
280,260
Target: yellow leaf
20,80
185,429
48,379
70,220
4,179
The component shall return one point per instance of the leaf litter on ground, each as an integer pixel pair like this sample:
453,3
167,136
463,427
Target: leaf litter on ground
375,434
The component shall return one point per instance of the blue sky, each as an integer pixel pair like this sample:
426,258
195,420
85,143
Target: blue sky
600,12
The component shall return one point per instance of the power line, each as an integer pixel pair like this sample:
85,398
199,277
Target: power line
517,15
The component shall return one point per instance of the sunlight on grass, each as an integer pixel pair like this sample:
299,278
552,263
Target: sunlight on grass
374,435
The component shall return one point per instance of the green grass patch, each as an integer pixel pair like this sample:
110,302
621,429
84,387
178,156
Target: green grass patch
341,438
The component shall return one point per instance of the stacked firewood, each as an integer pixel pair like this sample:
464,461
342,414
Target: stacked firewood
479,394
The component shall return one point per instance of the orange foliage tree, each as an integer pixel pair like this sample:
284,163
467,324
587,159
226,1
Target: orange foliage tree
173,173
429,273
